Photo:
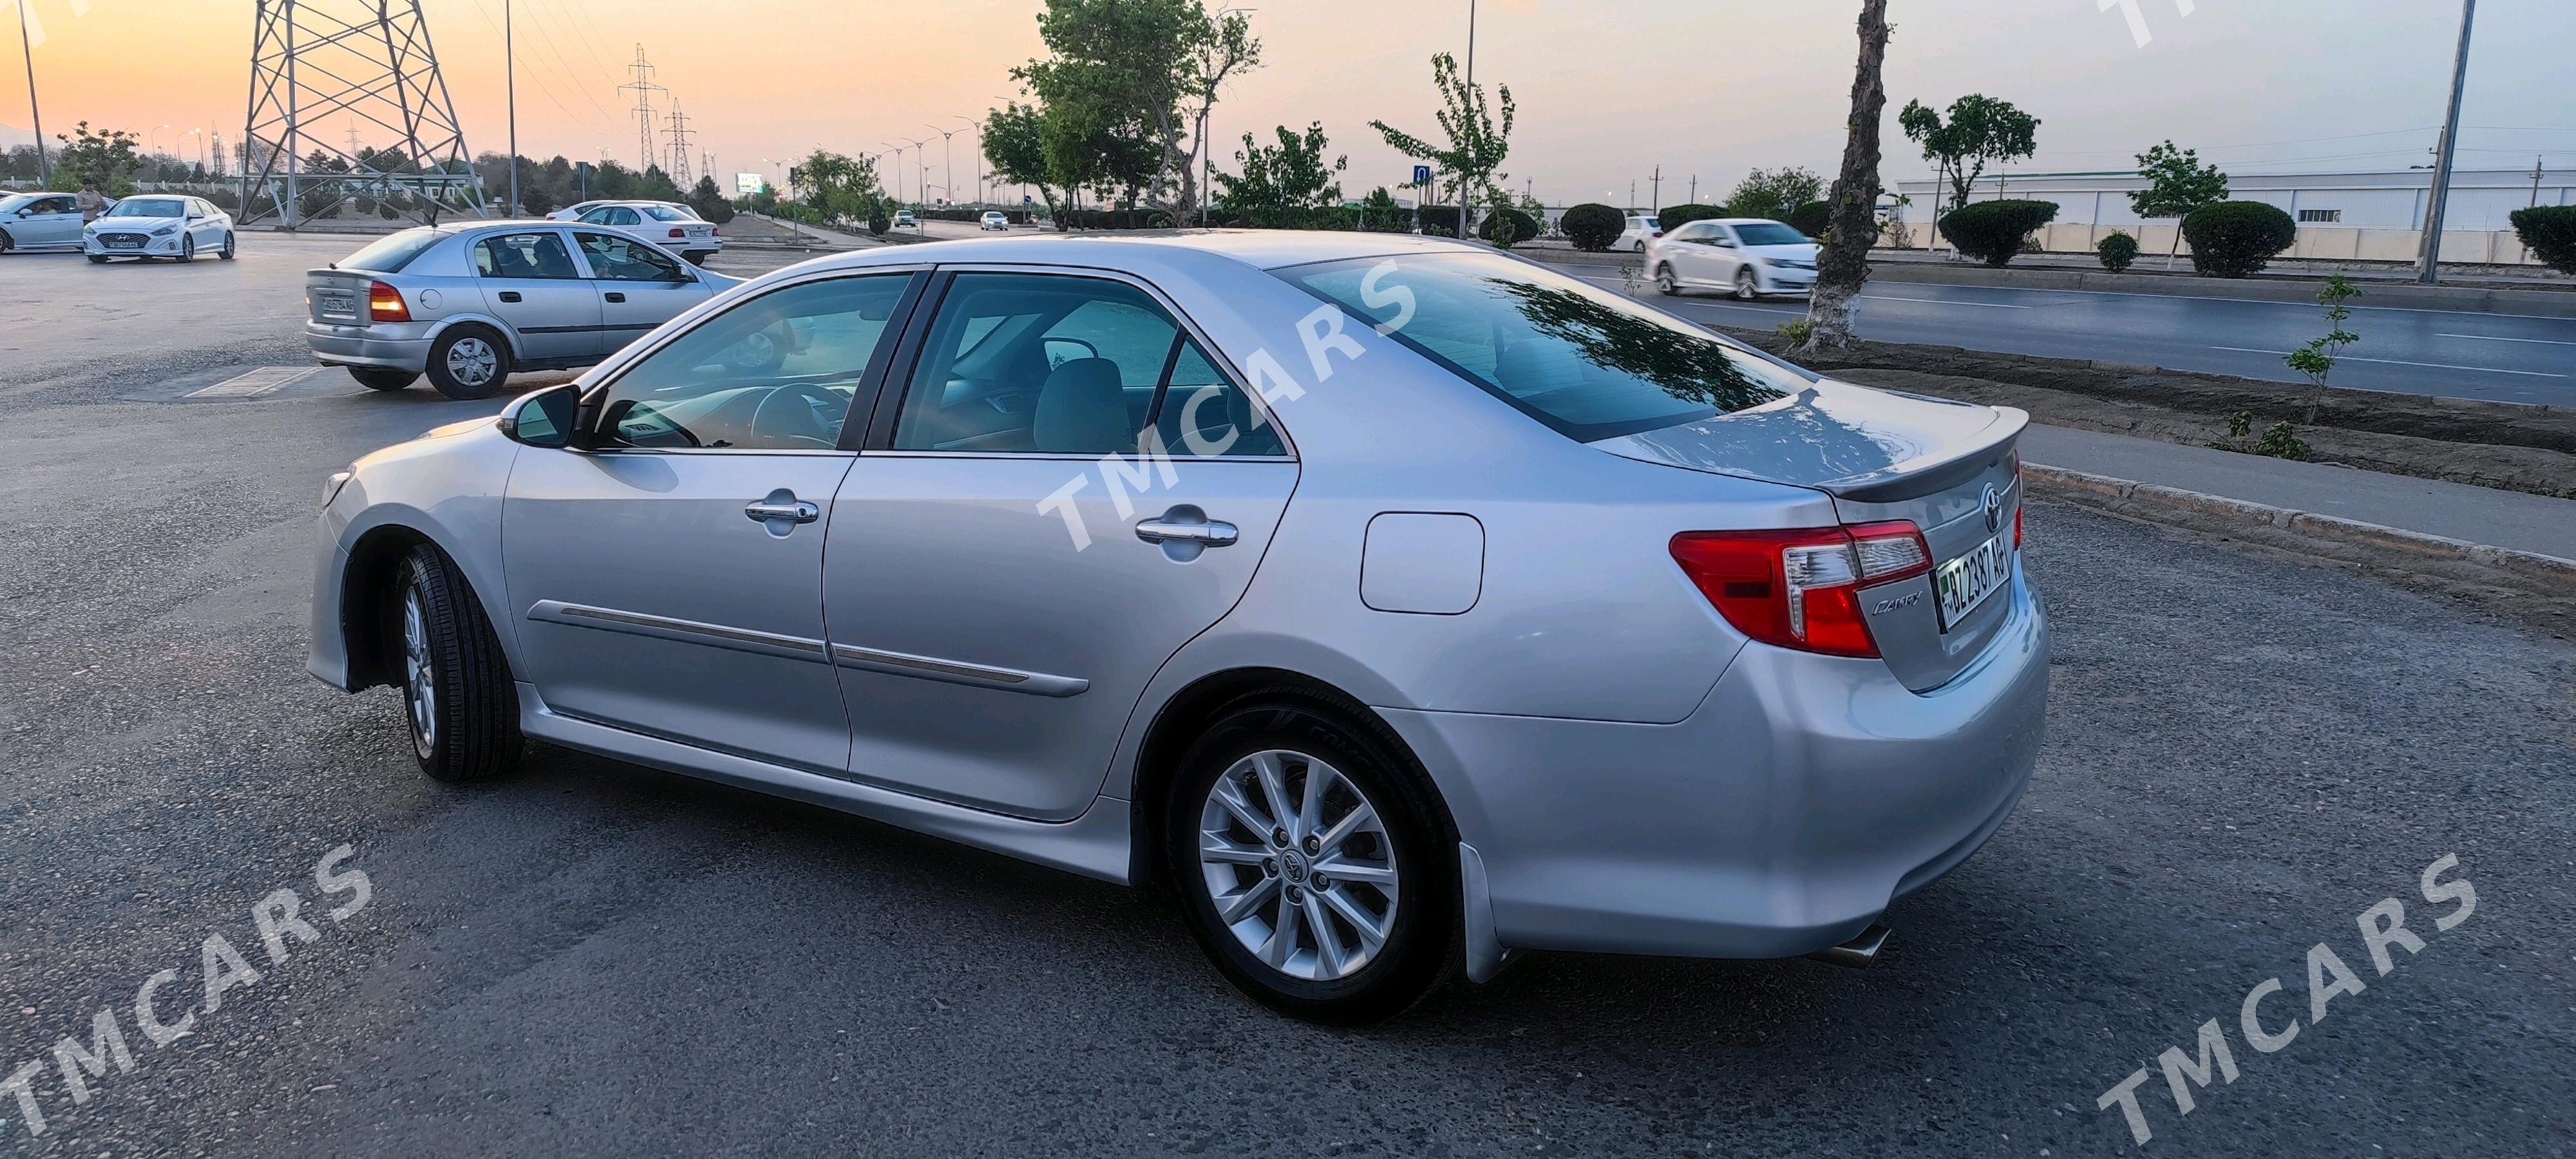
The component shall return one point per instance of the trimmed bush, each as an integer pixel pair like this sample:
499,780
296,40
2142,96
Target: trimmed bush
2117,252
1437,220
2236,239
1812,219
1676,216
2550,231
1117,219
1994,231
1524,227
1592,226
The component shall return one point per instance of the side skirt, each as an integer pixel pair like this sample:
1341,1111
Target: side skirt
1095,844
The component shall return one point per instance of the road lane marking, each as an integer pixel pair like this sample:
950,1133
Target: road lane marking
265,380
2493,338
2402,362
1943,302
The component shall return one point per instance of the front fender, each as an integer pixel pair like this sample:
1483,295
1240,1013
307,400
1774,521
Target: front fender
445,489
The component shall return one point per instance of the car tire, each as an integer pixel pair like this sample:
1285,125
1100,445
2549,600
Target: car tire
381,378
697,257
460,705
227,252
7,242
187,248
1665,281
469,362
1748,287
98,259
1403,863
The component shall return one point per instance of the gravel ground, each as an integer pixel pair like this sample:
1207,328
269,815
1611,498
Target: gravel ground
2247,750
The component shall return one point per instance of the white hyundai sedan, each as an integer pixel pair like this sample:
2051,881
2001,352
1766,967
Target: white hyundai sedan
159,226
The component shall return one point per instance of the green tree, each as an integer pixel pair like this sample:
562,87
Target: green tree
709,200
1287,186
1121,85
840,187
1773,193
1477,140
1980,131
2177,184
1380,214
1848,220
1015,144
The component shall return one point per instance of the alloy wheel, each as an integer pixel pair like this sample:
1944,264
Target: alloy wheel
1746,287
472,362
420,676
1298,863
1665,281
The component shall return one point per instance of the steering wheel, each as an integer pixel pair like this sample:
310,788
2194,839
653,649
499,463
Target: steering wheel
799,414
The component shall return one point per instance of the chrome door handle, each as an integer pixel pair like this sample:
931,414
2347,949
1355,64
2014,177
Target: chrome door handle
1208,534
798,511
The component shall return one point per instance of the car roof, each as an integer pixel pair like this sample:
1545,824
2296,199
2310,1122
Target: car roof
1264,249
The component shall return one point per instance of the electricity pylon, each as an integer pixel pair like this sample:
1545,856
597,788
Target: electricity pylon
643,88
679,131
368,62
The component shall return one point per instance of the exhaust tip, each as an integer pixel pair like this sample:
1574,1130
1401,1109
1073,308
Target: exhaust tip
1858,953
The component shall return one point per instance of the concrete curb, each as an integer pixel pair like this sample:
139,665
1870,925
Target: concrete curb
2324,534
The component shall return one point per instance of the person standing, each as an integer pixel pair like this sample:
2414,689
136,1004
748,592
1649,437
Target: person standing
91,201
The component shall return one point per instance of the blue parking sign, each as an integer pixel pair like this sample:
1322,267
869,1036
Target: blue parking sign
1422,175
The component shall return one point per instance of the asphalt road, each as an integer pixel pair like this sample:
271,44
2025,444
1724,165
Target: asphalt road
2498,357
2246,751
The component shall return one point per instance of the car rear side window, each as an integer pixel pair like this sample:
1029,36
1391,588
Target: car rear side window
388,255
538,254
1588,363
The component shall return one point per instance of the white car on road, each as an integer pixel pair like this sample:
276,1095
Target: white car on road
39,221
159,225
995,219
1642,228
1748,257
669,224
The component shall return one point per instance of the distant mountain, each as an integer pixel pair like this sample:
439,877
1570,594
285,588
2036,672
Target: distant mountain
11,136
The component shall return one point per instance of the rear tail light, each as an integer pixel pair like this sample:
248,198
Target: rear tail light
676,231
1801,589
385,304
2018,493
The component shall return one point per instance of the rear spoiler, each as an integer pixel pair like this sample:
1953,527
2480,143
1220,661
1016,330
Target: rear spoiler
1935,473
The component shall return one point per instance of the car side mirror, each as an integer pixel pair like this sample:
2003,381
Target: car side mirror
543,419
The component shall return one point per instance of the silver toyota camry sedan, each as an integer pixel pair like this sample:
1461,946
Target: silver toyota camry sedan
470,304
1403,604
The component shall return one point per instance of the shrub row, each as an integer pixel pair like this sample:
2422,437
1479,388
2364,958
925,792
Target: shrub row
2550,231
1017,216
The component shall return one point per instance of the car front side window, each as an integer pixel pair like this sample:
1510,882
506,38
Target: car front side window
775,373
623,259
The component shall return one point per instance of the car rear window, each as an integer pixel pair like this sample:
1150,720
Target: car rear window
389,254
1588,363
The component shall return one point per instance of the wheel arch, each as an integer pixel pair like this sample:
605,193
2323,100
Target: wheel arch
366,599
509,337
1188,712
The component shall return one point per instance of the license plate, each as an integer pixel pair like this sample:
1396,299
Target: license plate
339,305
125,243
1967,581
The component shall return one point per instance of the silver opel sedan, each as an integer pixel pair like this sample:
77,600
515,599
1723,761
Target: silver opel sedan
471,304
1403,604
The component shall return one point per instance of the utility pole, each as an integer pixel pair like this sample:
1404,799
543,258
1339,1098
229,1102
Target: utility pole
1694,198
1658,194
947,162
510,51
44,168
2429,269
2535,180
1471,126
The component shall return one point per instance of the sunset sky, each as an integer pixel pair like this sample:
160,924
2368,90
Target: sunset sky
1607,91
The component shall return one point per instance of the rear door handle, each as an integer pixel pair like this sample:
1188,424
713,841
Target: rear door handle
509,295
616,297
1208,534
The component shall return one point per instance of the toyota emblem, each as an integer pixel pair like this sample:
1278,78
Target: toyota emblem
1994,510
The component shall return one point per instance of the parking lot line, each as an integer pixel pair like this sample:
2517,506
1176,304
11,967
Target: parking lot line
258,382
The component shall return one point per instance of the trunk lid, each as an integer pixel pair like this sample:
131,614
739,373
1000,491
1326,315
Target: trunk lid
337,297
1885,456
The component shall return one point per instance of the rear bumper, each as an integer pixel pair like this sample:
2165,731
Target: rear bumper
355,346
1783,816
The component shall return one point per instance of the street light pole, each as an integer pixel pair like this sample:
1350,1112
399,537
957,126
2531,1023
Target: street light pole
44,168
2429,269
1471,121
510,50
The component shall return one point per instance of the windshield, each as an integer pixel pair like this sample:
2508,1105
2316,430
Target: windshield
1588,363
669,213
1771,233
149,207
388,255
